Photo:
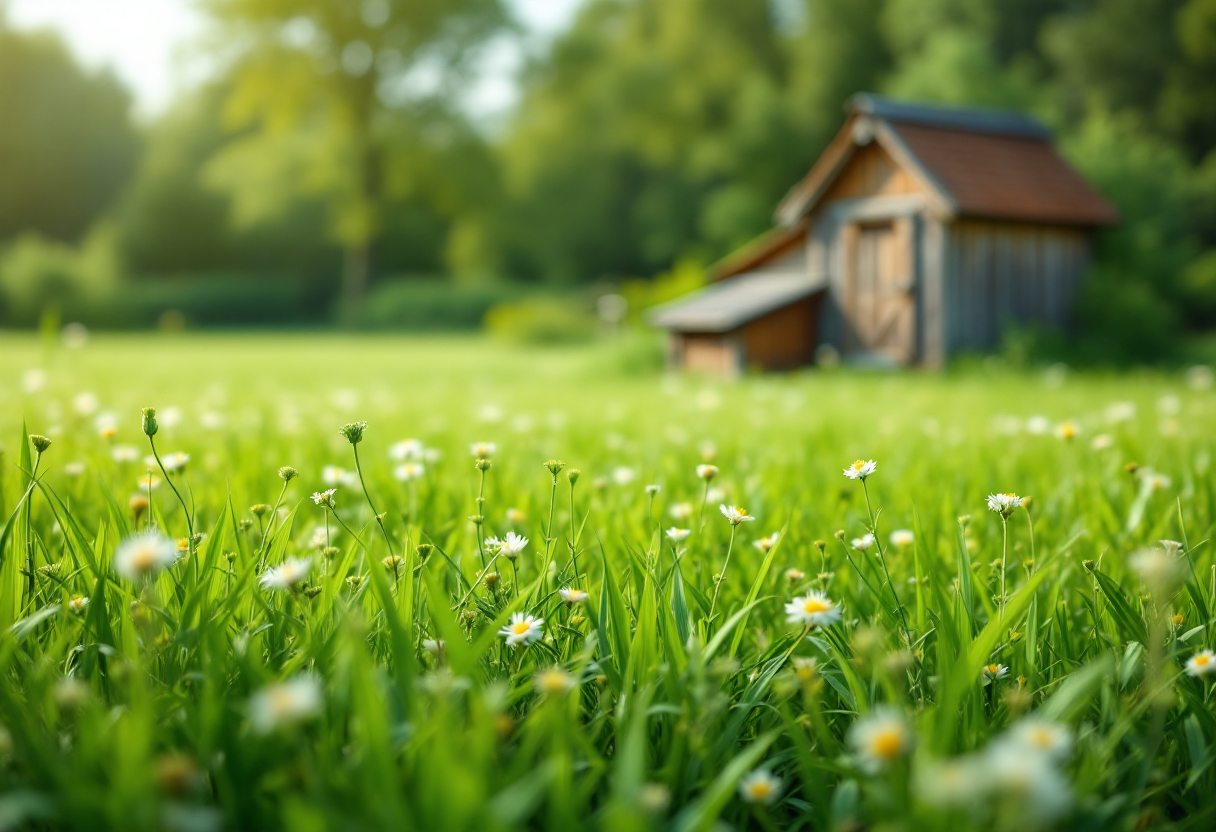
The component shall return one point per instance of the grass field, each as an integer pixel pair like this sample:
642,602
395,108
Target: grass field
304,665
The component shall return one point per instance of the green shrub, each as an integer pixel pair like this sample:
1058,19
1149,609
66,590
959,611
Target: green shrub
37,273
542,321
430,303
1124,320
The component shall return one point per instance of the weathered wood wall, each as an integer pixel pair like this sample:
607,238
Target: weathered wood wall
996,273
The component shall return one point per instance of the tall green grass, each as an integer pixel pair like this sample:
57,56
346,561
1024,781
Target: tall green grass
146,708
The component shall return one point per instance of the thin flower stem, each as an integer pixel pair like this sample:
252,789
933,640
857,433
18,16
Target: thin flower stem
190,545
29,529
274,513
882,559
722,577
573,541
379,519
1004,552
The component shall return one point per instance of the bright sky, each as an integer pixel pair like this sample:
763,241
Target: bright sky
146,43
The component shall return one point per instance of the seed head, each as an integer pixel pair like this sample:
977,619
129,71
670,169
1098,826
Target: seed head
424,550
555,466
149,421
244,524
1088,564
353,432
40,443
476,519
492,579
287,473
820,545
312,591
483,464
652,490
839,534
330,552
259,510
572,475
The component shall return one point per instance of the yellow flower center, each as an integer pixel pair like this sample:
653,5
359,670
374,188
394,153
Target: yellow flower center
1203,661
281,701
1040,737
858,465
993,669
760,790
887,743
814,605
521,628
144,558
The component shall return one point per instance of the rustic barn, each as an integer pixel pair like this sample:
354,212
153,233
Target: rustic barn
919,232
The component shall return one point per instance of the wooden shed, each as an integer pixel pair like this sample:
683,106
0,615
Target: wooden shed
919,232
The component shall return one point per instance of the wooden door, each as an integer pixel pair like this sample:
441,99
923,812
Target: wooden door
883,309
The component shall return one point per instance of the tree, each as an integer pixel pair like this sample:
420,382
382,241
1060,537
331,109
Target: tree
67,145
340,100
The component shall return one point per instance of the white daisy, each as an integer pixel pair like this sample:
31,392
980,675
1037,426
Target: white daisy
1201,664
286,575
735,514
794,575
760,787
408,471
1067,431
765,544
434,646
571,595
623,475
1171,547
678,535
144,554
78,603
325,498
880,738
512,544
1102,441
861,469
1004,504
483,450
993,672
176,461
523,629
901,538
864,542
516,516
1033,786
707,472
1038,736
285,703
124,453
1157,568
680,511
554,682
812,610
406,449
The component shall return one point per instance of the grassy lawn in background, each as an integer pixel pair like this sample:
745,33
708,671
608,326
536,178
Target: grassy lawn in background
886,651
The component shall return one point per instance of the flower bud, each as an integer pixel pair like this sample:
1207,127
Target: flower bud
353,432
555,466
288,473
259,509
424,550
483,464
820,545
40,443
572,475
149,421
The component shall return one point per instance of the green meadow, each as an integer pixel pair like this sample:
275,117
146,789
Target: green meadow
193,637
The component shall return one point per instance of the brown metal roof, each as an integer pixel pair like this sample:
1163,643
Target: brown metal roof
1005,177
982,163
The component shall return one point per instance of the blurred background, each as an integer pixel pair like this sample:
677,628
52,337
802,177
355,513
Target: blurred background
421,165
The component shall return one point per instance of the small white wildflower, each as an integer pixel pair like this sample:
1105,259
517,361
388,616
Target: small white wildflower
861,469
765,544
1004,504
406,449
409,471
902,537
735,514
1038,736
880,738
523,629
554,682
512,544
144,554
434,646
677,535
483,450
516,516
1201,664
680,511
325,498
794,575
623,475
78,603
990,673
1102,442
864,542
124,453
1038,425
571,595
286,703
1159,569
286,575
1067,431
74,469
812,610
760,787
707,472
